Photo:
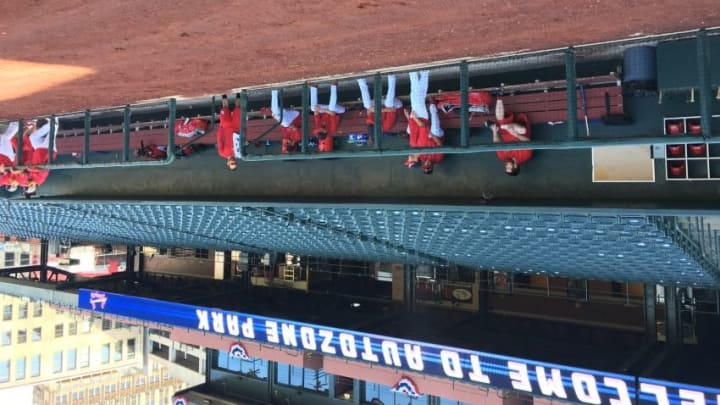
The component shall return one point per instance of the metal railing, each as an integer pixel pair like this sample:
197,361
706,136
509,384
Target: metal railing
460,70
697,236
99,143
703,232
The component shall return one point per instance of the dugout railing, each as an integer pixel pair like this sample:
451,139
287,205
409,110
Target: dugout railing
107,137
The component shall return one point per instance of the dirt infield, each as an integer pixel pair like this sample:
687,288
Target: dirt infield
64,55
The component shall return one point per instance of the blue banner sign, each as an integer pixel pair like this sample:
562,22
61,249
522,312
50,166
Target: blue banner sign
652,392
532,377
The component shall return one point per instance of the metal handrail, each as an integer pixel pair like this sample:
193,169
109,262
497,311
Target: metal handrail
87,115
567,144
463,65
692,247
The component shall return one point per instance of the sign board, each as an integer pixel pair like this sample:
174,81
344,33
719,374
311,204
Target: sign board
532,377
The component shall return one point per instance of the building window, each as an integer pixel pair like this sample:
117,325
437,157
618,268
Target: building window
84,357
20,368
4,371
253,368
59,329
6,337
57,361
72,328
9,259
106,324
118,350
36,334
21,336
105,353
384,394
86,326
35,365
7,312
24,259
314,380
202,253
71,359
130,349
37,309
23,310
444,401
344,388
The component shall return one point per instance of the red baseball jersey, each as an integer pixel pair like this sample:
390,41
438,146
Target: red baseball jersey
389,119
522,155
229,124
6,178
328,122
27,151
38,157
5,160
419,136
22,177
230,119
39,176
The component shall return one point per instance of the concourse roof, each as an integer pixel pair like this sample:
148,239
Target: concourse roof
599,245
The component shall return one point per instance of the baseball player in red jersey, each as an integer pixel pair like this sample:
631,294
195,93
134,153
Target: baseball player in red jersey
7,150
390,109
152,151
327,118
418,130
229,125
425,133
290,123
36,144
511,128
435,138
27,148
423,124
